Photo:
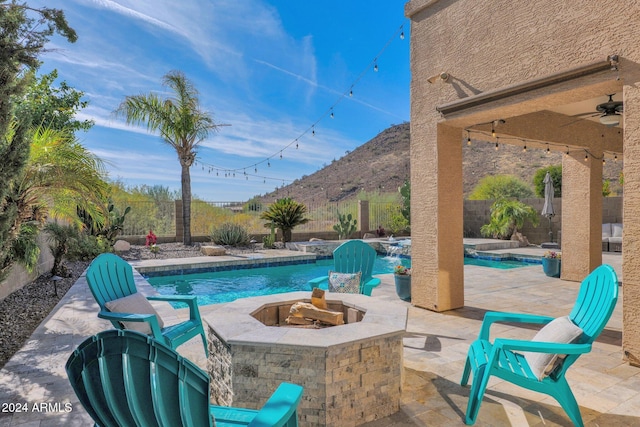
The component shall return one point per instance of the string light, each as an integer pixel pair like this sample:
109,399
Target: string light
493,130
468,138
537,143
586,157
604,161
329,112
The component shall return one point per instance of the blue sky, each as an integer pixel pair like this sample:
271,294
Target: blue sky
270,69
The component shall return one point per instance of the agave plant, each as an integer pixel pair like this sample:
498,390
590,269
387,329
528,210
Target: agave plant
285,214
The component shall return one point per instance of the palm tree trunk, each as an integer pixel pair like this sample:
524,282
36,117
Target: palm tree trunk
186,204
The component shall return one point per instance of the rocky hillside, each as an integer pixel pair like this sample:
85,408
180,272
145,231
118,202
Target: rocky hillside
382,164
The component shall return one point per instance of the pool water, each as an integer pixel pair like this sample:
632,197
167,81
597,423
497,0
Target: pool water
504,264
227,286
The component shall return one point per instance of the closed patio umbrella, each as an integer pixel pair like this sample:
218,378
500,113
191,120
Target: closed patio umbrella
547,209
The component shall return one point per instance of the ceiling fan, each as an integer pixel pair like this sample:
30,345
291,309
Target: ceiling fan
609,112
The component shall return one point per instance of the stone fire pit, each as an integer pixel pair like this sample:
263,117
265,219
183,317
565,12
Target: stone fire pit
351,373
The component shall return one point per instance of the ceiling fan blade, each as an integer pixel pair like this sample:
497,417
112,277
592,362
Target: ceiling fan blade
577,120
586,115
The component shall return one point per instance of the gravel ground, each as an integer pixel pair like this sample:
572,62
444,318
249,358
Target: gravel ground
23,310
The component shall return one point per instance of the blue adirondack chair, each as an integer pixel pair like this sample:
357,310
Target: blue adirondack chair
351,257
124,378
111,278
593,308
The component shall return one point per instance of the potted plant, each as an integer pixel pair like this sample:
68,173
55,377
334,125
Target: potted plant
402,278
551,263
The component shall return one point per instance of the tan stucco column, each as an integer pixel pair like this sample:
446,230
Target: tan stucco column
631,227
581,214
436,218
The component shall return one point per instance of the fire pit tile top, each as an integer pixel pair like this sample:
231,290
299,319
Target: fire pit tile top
234,323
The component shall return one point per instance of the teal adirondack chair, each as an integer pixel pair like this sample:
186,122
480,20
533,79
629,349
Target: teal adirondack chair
111,278
593,308
351,257
124,378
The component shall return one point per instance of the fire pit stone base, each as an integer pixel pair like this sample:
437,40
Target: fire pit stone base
351,374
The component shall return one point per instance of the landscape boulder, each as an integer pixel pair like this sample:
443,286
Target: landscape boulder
213,250
121,246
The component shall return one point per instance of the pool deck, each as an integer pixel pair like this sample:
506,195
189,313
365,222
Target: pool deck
435,345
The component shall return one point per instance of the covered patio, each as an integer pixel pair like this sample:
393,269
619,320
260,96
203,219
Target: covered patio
536,75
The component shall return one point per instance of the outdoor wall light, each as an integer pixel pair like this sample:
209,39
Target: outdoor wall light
441,76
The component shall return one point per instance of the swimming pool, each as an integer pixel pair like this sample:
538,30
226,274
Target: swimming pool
227,286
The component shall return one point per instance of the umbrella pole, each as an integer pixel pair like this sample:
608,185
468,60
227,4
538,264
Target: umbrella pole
550,231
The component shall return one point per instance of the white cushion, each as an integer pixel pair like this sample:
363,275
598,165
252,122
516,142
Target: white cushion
606,231
344,283
134,304
616,230
560,330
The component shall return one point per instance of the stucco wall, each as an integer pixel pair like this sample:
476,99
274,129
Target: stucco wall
18,277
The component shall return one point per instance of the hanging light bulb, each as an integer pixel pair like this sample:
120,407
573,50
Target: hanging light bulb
603,161
256,170
281,155
615,158
497,146
350,92
313,130
296,145
493,130
524,148
586,157
268,164
375,67
331,115
402,35
548,150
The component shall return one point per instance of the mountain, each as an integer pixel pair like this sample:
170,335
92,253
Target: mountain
382,164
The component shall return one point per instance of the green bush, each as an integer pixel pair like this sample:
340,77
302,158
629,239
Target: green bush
85,247
230,234
494,187
556,176
507,217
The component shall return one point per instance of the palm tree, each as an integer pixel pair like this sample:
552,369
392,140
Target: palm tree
507,217
60,175
285,214
181,123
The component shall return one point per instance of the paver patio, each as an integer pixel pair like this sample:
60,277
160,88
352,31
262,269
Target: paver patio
435,345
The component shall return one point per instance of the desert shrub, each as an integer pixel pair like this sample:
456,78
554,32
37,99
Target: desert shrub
493,187
230,234
556,176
